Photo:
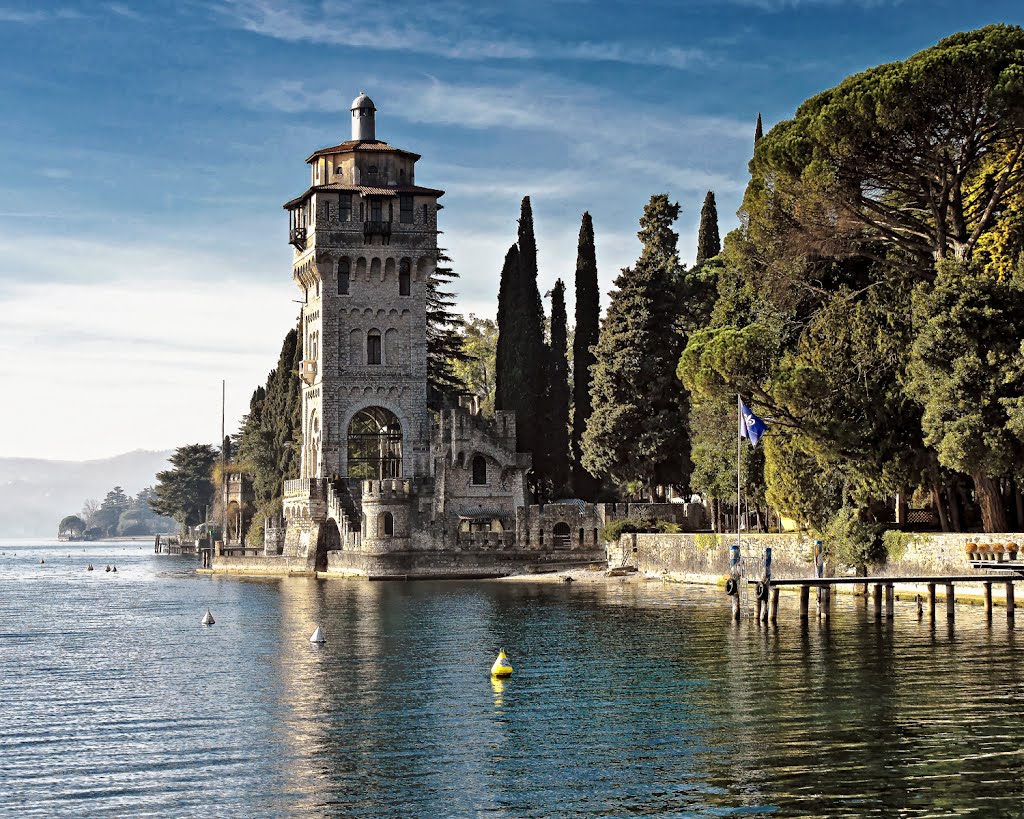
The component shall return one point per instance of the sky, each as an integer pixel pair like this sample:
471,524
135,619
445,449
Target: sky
146,150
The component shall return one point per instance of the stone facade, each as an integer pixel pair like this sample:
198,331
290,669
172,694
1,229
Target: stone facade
386,488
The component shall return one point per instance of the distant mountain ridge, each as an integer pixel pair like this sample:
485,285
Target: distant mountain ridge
36,493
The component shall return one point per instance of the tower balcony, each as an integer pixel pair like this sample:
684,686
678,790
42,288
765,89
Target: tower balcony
373,228
297,238
308,372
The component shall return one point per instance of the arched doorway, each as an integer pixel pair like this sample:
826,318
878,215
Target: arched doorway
374,445
561,536
329,540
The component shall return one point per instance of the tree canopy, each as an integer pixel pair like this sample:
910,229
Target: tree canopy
186,490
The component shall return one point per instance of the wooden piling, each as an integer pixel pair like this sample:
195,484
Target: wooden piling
890,595
805,599
774,611
826,601
931,601
1010,605
878,601
757,610
988,598
736,606
950,602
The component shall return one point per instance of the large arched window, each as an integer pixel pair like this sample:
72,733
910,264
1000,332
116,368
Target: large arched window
374,445
562,536
479,470
344,270
386,525
373,347
404,278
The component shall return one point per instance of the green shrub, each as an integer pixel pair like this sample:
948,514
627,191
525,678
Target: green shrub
896,543
707,541
616,528
852,542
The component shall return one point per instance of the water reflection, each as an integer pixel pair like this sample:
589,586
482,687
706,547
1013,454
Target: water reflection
630,698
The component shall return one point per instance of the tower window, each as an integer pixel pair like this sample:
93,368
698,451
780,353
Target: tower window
372,172
344,206
391,211
479,470
375,210
424,214
405,210
387,524
373,347
404,278
344,271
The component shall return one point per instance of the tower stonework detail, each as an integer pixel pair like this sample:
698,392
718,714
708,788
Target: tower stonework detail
389,487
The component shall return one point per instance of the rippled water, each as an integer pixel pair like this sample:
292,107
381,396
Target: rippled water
628,699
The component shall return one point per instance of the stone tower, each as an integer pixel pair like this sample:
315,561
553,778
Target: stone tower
365,239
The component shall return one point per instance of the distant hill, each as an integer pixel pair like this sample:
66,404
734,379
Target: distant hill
35,494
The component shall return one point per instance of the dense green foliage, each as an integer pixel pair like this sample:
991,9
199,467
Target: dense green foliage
709,244
588,327
637,432
477,368
557,432
445,351
522,355
883,367
72,526
185,491
270,442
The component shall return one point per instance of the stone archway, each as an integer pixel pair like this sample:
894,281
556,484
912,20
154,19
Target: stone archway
328,540
562,536
374,445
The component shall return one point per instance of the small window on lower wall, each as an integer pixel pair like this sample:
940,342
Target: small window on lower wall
479,470
386,525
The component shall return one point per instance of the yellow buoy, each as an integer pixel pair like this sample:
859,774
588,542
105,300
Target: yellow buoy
502,667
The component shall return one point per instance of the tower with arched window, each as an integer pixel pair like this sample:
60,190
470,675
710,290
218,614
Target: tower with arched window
365,245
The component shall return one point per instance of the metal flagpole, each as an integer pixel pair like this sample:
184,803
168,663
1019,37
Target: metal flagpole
739,440
223,467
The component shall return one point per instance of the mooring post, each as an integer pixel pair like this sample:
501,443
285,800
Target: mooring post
774,611
757,608
805,599
826,601
988,598
1009,600
734,570
878,601
931,600
950,602
889,598
767,582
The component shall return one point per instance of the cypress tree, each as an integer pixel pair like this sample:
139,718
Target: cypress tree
508,374
558,395
638,430
588,309
709,244
758,130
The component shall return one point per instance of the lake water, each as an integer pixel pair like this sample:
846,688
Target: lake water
629,699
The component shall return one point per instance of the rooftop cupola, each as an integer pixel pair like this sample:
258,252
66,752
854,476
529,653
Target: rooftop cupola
363,129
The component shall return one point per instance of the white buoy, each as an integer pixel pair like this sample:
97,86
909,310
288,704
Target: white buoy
208,618
318,636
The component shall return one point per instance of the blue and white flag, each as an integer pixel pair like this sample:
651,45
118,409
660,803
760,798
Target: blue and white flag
751,427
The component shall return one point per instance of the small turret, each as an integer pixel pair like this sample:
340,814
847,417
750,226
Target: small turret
363,127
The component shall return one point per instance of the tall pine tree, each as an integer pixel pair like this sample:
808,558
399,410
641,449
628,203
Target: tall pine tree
637,433
709,243
509,374
758,130
444,336
557,436
588,318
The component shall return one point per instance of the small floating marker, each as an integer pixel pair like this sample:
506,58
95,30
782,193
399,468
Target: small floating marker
114,569
502,667
42,562
89,568
318,636
208,618
108,568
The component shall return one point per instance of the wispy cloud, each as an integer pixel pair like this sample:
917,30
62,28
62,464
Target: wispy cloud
426,31
36,16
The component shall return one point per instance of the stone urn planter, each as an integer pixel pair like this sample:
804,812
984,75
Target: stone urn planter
973,552
997,552
1011,551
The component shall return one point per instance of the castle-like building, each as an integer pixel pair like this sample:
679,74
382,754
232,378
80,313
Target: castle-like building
387,487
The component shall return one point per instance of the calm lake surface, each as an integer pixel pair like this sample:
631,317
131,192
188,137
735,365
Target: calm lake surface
630,699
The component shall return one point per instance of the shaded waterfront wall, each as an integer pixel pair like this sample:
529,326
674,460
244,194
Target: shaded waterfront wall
706,555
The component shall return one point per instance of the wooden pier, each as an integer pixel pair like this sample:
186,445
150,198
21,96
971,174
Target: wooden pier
882,590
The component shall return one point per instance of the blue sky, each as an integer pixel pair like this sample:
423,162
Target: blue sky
146,149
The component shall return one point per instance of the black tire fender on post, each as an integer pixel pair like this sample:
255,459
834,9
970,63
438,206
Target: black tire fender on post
730,586
761,590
